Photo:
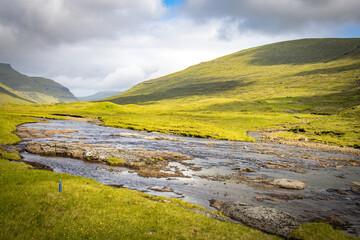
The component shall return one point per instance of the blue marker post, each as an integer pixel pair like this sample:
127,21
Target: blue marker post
60,186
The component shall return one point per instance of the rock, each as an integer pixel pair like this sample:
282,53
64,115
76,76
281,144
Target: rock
247,170
263,218
164,189
355,189
102,153
339,191
356,183
288,183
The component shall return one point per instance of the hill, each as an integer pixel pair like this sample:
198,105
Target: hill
99,96
17,87
303,86
308,75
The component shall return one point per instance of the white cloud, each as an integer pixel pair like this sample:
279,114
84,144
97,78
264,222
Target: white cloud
120,79
57,21
277,16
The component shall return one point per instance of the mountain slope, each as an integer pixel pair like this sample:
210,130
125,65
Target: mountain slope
305,90
32,89
313,75
99,96
6,95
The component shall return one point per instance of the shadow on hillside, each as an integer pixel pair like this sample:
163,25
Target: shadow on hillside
306,51
330,70
333,103
179,92
3,90
326,104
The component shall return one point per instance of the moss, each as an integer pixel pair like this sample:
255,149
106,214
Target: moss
10,156
116,161
318,231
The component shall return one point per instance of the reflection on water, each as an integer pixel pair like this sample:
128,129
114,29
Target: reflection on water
214,158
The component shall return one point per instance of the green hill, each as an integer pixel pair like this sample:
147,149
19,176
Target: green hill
17,87
309,75
264,87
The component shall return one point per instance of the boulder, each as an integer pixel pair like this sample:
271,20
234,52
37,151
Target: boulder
266,219
288,183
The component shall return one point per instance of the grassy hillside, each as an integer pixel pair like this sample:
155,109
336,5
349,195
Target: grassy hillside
6,95
291,82
302,73
32,89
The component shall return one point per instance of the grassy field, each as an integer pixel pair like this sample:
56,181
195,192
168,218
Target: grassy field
32,208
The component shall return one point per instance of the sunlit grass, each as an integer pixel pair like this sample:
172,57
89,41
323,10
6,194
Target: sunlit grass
32,208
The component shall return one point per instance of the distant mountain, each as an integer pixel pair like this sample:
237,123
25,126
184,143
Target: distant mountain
17,87
99,96
307,75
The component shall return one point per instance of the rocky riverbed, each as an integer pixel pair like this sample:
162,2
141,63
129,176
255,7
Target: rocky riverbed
305,184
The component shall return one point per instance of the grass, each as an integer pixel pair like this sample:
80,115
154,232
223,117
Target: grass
315,231
32,208
116,161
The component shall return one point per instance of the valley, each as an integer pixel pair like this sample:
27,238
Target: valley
239,128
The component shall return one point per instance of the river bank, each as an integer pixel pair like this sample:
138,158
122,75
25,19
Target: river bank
222,173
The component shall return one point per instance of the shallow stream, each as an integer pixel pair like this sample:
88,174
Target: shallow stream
217,163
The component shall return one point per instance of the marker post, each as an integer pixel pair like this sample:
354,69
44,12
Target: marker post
60,186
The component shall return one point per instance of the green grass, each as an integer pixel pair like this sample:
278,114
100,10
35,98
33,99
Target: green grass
341,129
315,231
116,161
32,208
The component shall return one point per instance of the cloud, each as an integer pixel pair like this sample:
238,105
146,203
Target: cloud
275,16
49,22
120,79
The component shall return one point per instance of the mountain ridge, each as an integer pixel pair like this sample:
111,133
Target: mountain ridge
32,89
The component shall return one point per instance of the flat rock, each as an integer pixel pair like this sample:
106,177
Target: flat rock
102,153
266,219
288,183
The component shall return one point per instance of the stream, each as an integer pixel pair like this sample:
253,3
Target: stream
330,192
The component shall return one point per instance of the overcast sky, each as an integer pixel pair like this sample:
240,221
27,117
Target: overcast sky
91,45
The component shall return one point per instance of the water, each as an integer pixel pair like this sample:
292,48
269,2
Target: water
217,160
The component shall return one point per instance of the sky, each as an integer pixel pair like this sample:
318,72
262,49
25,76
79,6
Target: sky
91,45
